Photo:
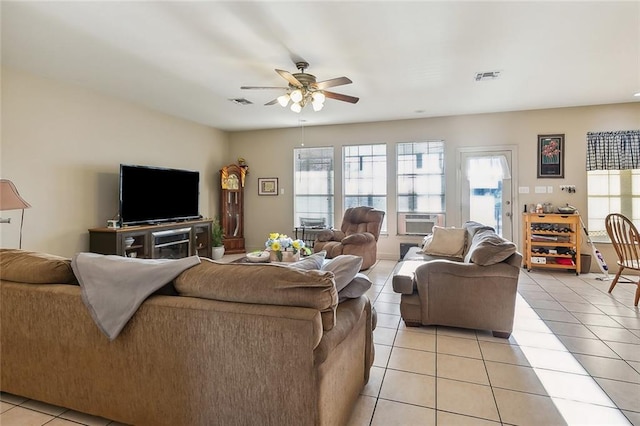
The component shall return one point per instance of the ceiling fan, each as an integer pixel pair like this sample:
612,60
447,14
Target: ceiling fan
303,89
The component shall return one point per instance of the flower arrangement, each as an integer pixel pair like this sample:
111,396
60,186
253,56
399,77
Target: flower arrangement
279,243
551,153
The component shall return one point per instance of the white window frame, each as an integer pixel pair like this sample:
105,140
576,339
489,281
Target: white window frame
307,184
611,191
421,175
364,176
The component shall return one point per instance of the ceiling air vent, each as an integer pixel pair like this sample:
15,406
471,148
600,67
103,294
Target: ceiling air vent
241,101
488,75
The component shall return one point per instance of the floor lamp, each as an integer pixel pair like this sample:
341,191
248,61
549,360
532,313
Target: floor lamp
10,199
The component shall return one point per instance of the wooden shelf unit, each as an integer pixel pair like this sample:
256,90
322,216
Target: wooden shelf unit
166,240
551,231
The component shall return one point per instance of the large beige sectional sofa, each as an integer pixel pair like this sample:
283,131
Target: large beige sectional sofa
465,277
239,345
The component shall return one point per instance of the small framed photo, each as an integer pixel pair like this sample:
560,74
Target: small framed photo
267,186
551,156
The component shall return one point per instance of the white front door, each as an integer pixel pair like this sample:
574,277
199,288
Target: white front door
485,182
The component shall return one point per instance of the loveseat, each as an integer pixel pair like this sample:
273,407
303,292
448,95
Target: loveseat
223,344
465,277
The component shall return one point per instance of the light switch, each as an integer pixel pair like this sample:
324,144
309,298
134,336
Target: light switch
549,189
541,189
523,189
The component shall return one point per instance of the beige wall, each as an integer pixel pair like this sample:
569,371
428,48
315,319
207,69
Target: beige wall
269,154
62,146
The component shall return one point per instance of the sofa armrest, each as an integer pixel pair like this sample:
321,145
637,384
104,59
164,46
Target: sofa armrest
329,235
403,274
359,238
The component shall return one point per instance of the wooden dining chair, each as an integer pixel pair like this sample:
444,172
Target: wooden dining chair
626,241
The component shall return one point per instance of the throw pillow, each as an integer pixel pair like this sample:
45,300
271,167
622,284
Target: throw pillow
488,248
345,267
35,268
308,263
356,288
447,242
426,241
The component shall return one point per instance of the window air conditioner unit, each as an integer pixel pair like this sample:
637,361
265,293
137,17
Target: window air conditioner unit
418,224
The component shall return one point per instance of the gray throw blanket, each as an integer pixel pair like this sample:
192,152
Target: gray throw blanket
113,287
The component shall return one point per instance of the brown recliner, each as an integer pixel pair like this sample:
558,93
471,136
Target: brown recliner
358,236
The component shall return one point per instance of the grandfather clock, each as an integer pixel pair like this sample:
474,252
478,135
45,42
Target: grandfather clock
232,207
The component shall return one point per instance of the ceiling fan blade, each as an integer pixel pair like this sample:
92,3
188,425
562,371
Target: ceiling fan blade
262,88
273,102
341,97
289,77
333,82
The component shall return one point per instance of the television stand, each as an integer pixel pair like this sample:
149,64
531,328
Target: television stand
155,241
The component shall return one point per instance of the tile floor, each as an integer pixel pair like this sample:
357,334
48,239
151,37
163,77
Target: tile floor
573,358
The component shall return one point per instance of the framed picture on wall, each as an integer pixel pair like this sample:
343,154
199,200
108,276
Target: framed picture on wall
550,156
267,186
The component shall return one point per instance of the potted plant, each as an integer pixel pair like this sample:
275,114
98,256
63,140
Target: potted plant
217,240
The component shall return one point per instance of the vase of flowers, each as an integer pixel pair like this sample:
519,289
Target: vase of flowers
285,249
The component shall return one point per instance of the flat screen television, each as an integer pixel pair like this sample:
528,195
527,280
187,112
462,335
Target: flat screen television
156,194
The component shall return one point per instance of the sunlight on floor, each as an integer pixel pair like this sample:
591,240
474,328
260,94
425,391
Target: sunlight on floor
578,398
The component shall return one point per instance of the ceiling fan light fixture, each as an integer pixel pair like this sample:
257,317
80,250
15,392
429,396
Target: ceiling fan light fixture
303,89
318,97
296,95
283,100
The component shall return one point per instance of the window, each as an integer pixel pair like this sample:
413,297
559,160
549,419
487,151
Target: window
313,186
613,178
612,191
420,186
365,177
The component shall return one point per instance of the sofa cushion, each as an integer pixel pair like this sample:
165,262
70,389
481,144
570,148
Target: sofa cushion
36,268
488,248
356,288
345,267
473,227
446,242
269,284
308,263
348,314
426,241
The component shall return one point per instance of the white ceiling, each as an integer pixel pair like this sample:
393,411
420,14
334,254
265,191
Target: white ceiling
406,59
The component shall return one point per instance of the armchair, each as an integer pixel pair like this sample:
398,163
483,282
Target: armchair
358,235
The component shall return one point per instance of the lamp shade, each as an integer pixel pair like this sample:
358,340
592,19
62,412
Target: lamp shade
10,199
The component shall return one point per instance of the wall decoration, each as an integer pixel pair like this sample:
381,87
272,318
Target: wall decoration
551,156
267,186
